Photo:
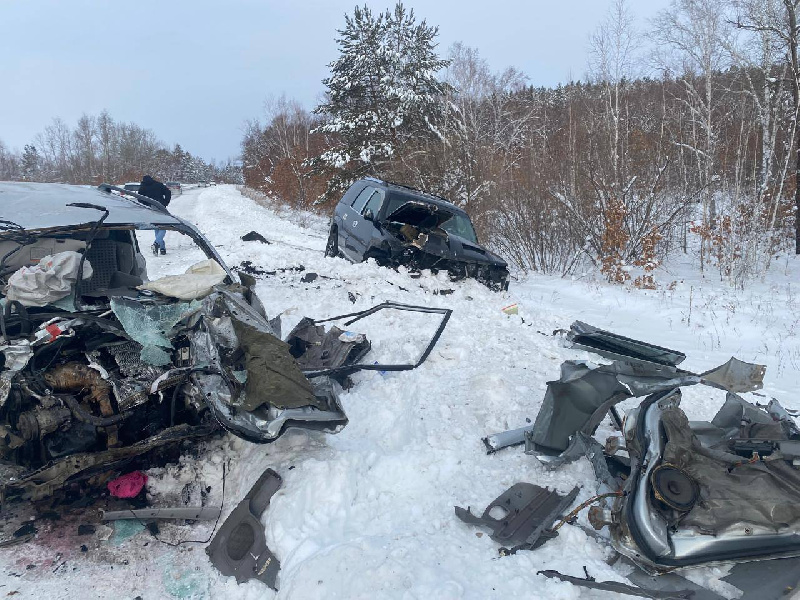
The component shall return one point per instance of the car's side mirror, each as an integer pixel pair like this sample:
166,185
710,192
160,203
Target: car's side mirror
369,215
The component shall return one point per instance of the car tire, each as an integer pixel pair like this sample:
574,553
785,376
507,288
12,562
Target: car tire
379,255
332,247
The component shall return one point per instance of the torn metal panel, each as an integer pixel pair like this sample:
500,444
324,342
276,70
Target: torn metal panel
239,548
611,345
526,512
736,376
618,587
766,579
585,393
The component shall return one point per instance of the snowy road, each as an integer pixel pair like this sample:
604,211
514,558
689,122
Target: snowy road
368,513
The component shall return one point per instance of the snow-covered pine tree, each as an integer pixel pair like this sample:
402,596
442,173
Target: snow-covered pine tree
383,94
31,162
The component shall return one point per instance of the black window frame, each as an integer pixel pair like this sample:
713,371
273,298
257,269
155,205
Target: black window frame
367,196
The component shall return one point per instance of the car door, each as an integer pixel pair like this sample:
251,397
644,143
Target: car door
351,218
365,230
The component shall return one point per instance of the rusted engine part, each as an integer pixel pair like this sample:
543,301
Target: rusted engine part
54,413
79,378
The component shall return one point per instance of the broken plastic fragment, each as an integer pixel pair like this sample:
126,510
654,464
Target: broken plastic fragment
240,547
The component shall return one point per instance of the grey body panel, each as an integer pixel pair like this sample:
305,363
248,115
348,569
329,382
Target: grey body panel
239,548
530,511
619,588
611,345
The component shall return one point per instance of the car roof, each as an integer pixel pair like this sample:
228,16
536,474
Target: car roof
35,206
419,194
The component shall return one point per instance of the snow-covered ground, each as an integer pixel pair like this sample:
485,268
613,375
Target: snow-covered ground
368,513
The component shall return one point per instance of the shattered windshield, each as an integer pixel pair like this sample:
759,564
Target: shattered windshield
461,226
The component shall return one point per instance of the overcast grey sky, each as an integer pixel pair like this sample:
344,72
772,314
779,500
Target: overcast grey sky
194,71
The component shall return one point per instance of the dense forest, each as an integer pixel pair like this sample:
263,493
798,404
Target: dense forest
682,139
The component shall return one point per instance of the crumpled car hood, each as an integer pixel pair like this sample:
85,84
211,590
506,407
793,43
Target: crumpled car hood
456,248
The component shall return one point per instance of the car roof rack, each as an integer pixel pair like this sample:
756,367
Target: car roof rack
145,200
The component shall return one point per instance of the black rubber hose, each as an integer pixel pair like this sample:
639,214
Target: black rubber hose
82,415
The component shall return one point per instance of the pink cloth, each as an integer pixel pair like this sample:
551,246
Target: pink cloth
127,486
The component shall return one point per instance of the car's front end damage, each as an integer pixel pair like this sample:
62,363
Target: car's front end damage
103,370
670,492
418,241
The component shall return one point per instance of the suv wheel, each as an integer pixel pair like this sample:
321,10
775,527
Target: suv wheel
332,247
380,257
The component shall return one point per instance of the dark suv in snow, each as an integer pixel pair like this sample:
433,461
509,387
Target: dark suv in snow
398,225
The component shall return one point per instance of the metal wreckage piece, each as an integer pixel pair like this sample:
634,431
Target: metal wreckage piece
527,516
88,392
239,548
671,492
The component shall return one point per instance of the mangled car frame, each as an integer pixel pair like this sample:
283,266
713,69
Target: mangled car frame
102,367
670,492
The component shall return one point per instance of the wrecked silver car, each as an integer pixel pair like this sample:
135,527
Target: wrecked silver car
670,492
101,367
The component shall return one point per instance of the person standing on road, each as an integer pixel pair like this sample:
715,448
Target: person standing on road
160,193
